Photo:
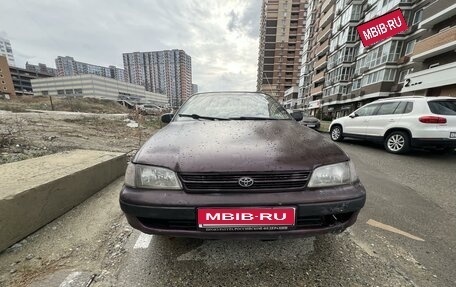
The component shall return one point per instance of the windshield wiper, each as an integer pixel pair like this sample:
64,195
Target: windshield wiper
197,117
253,118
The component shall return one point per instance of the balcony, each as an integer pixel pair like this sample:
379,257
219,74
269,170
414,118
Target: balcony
319,77
437,12
322,48
326,5
437,44
316,90
431,78
323,35
326,19
320,63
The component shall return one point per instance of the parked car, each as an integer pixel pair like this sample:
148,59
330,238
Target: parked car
148,109
237,165
402,123
310,121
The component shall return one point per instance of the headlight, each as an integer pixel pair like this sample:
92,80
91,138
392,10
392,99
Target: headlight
333,174
144,176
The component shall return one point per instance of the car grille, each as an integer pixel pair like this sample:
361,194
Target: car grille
302,222
228,182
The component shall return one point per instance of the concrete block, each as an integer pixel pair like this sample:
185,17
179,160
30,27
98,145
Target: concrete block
34,192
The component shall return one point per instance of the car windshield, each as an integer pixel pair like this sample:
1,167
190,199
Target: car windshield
445,107
241,106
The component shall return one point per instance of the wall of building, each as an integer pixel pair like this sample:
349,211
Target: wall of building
96,87
6,82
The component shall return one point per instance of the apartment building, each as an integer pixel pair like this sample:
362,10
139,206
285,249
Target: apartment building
16,81
7,51
94,86
339,74
315,52
166,72
281,33
434,53
41,68
67,66
357,75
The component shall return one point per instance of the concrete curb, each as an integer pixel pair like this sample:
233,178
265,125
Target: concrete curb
36,191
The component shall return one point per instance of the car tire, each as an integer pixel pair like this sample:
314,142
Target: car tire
336,133
397,142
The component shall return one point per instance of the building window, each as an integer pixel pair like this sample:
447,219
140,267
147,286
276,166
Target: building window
409,48
3,82
45,93
60,92
403,74
417,17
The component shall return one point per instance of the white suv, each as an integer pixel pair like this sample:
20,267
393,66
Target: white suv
401,123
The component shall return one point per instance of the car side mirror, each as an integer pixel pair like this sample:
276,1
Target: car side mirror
353,115
297,116
166,118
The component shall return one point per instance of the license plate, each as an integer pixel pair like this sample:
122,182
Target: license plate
453,135
311,126
246,218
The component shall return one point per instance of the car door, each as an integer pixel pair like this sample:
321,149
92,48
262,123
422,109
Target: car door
356,124
384,117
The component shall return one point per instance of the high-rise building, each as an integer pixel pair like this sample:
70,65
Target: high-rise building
315,52
42,68
67,66
433,54
194,88
346,75
7,51
166,72
281,30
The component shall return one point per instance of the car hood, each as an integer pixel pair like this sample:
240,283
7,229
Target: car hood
225,146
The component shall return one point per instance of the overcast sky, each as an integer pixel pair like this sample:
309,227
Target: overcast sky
221,36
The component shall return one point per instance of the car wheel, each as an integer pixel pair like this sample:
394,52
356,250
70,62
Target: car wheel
397,142
336,133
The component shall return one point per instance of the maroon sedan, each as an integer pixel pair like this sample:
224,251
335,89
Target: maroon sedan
237,165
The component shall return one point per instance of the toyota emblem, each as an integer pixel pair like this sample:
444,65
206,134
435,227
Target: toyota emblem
246,181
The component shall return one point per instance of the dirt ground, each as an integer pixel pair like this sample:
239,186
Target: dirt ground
28,128
68,104
35,133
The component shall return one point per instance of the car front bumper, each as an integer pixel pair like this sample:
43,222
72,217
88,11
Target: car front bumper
330,210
